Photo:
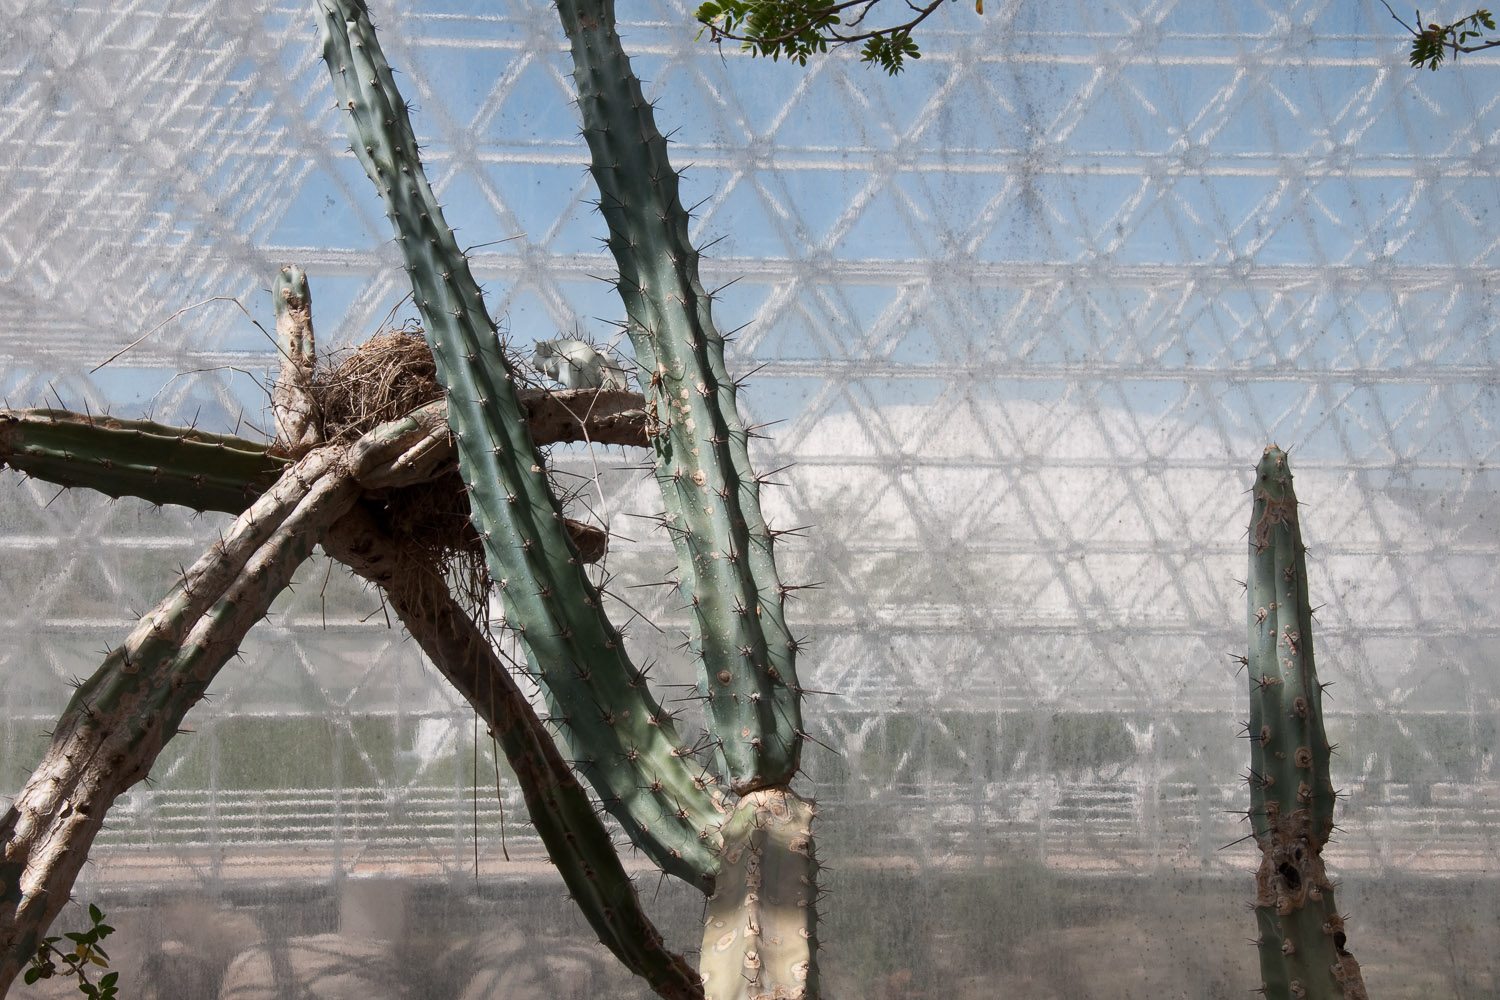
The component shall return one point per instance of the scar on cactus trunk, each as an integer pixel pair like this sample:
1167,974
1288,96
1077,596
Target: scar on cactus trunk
1302,937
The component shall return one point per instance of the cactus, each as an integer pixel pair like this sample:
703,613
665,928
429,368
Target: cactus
624,741
1302,937
748,826
727,574
625,744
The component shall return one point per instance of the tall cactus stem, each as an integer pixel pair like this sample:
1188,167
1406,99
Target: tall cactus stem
623,742
1302,937
746,655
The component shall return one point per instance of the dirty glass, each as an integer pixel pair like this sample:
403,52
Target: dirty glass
1019,322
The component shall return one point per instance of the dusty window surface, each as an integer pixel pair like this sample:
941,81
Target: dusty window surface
1019,323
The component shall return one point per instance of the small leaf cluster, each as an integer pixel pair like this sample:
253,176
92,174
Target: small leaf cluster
1433,42
84,950
800,28
772,28
889,52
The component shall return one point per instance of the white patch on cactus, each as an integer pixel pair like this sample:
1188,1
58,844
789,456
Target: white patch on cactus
578,365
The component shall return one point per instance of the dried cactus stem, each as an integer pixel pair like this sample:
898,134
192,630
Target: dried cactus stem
1302,938
118,720
298,420
575,837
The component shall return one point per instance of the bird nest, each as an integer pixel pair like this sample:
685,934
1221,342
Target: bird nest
381,380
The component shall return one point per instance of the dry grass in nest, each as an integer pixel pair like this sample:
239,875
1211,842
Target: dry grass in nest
381,380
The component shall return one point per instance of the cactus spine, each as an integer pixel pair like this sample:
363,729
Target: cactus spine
1302,937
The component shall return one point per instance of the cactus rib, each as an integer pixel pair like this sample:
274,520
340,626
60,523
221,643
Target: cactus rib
624,742
727,573
560,810
1302,937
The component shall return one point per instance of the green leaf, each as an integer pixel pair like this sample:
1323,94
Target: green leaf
95,914
33,974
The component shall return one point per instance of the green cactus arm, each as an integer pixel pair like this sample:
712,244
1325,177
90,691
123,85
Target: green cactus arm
727,573
119,719
139,458
760,935
560,810
204,471
623,742
1302,938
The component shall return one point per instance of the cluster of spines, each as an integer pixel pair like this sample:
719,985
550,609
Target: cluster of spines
617,732
727,575
1301,939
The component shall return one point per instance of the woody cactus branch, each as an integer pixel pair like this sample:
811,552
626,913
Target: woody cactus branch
186,466
1302,938
120,718
298,423
560,810
624,741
